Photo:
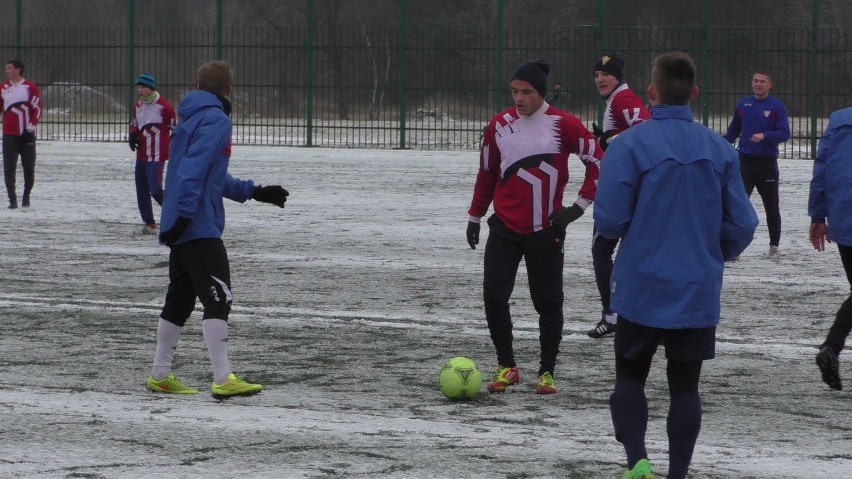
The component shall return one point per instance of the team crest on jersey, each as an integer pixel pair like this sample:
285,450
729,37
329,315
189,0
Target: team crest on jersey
766,113
509,128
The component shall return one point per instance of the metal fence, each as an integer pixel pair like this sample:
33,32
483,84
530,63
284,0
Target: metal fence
411,87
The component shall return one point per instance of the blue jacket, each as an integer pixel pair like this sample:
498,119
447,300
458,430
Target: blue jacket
671,188
831,186
197,177
767,116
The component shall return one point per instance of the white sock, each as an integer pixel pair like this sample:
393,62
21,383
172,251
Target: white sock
168,335
216,336
611,318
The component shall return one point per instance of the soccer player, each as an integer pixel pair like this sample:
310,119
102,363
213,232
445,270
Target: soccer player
192,221
523,170
830,209
21,104
623,110
761,123
150,132
670,188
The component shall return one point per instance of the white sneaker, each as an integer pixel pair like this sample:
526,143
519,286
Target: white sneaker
149,230
774,252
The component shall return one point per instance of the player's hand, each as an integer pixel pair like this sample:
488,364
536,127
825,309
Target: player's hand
819,235
271,194
133,141
565,216
603,137
472,234
757,137
174,233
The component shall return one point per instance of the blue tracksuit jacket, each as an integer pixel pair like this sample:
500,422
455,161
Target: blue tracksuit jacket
671,188
831,186
197,178
767,116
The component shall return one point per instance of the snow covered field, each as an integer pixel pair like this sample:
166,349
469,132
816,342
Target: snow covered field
347,302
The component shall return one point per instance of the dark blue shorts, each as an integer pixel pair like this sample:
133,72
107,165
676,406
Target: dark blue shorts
634,341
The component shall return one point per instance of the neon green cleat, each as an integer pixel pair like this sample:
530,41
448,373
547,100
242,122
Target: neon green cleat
234,386
546,384
169,384
503,378
642,470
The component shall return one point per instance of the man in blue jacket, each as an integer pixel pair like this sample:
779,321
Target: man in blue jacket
761,123
191,224
671,189
830,209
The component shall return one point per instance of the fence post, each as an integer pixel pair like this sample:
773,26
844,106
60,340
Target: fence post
501,81
131,57
19,22
219,29
814,75
309,76
601,49
403,69
705,65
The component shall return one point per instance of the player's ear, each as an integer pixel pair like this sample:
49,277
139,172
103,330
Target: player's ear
652,93
694,92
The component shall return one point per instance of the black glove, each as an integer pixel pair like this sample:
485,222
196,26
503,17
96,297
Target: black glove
602,136
174,233
271,194
565,216
133,141
472,234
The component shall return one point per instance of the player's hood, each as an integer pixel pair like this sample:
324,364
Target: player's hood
199,100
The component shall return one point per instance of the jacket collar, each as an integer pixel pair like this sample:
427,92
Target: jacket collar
619,87
676,112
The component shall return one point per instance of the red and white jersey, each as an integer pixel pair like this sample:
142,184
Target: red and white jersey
21,106
154,121
623,110
524,166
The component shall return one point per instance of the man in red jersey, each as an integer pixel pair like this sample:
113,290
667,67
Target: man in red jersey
21,105
523,170
623,110
150,132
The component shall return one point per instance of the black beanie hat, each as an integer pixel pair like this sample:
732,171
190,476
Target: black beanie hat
612,64
534,73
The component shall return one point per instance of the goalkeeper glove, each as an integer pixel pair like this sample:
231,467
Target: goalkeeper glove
174,233
603,137
565,216
472,234
271,194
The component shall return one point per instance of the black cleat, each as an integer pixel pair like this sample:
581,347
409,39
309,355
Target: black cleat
602,329
829,365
